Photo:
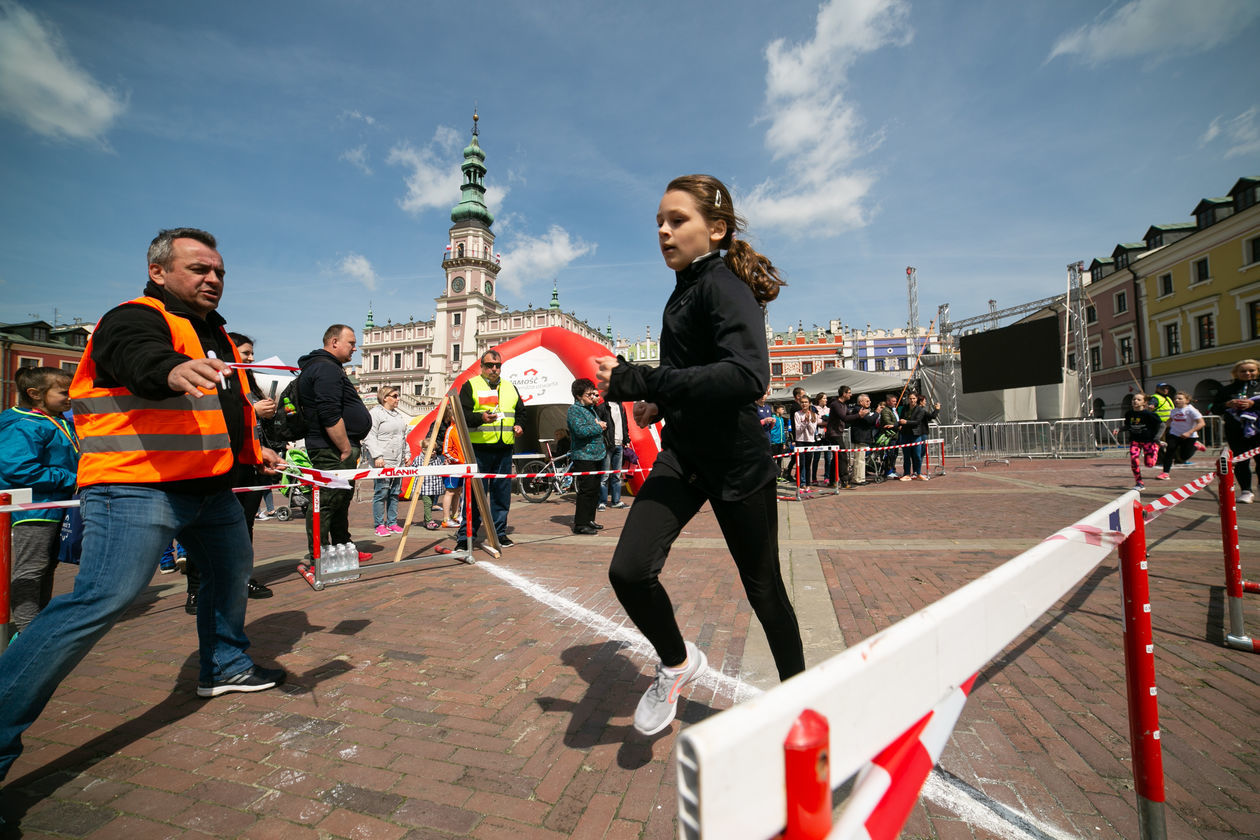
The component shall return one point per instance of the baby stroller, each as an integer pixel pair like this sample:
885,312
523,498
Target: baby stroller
295,493
880,463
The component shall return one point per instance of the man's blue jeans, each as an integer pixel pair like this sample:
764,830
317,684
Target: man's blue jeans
125,528
492,459
610,485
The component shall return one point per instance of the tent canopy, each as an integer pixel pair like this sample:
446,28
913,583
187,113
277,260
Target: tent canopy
830,381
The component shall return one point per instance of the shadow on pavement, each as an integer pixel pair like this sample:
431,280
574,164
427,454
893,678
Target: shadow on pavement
614,686
271,636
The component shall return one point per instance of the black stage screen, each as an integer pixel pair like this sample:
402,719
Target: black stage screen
1012,357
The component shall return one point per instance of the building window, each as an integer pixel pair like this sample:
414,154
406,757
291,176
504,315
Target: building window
1122,261
419,359
1206,328
879,364
28,362
1253,318
862,364
1071,361
418,389
1095,358
1172,339
1091,314
455,319
1253,251
398,361
1165,285
807,368
903,363
828,365
1205,218
376,362
1122,302
1201,274
455,354
1126,350
71,367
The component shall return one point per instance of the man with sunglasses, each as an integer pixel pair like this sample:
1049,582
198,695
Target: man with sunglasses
492,408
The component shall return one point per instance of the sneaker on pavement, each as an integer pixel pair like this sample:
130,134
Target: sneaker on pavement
602,506
659,705
364,556
506,542
251,679
621,505
254,589
397,529
382,531
1163,476
1246,497
1139,486
449,523
262,516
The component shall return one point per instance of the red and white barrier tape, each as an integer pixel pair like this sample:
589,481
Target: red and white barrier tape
1251,453
1172,499
38,505
833,448
887,788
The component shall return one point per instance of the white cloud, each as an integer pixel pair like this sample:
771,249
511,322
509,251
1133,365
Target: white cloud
43,87
540,258
435,177
1241,133
814,130
359,269
356,115
358,158
1157,28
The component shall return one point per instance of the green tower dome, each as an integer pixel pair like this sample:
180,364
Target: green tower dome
472,201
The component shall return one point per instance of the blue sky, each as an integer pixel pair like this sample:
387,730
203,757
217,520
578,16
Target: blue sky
986,143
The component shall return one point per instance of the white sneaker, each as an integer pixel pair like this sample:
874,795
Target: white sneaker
1246,497
659,705
602,507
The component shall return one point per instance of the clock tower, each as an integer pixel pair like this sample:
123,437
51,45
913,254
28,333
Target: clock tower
471,268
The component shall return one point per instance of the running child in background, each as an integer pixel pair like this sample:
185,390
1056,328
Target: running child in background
1145,431
714,364
1184,423
39,450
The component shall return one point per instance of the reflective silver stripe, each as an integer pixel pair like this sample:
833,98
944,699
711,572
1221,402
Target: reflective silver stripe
129,402
154,443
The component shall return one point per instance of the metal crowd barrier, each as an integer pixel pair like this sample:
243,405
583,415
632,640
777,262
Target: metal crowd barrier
971,443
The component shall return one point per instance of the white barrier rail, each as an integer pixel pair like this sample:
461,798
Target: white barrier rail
731,766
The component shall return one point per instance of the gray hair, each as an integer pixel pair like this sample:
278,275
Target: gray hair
160,247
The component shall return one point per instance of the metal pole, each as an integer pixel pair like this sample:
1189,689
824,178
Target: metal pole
1139,667
1236,636
6,569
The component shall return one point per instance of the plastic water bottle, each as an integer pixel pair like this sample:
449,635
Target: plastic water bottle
328,558
343,557
352,557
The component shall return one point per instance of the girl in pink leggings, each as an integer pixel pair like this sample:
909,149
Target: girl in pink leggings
1146,432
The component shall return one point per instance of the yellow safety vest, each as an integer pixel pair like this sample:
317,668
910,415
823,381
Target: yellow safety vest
1162,406
503,400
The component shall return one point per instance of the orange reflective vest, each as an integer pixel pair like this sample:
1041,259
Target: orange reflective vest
125,439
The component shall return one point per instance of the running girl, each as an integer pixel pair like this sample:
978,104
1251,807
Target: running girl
1184,424
714,365
1145,431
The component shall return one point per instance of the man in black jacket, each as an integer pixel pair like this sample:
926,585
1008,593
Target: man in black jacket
616,433
862,423
834,436
336,420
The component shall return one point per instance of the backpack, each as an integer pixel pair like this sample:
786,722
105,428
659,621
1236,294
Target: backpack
289,424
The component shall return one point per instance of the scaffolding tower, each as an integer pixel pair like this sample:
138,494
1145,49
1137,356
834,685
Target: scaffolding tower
1073,304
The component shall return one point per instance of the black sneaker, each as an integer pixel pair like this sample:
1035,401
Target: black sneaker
190,603
258,590
251,679
506,542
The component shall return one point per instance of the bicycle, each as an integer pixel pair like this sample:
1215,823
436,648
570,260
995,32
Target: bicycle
540,487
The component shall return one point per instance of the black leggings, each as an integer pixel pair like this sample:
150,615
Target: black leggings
1178,448
664,505
1242,470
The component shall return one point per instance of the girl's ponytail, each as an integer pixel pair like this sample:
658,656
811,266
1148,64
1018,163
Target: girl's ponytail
754,269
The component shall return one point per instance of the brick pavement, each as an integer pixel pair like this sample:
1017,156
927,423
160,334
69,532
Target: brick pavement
438,699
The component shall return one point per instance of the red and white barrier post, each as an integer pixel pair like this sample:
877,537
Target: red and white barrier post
1139,666
1236,636
6,568
807,772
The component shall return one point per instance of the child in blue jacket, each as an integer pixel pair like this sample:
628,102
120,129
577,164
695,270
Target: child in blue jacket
39,450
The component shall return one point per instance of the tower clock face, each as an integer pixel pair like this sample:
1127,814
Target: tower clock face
457,285
489,289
